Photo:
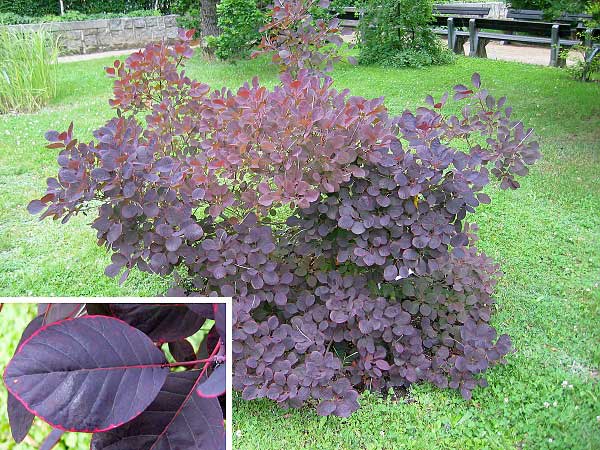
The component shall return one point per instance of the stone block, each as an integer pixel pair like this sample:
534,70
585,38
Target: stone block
171,20
115,24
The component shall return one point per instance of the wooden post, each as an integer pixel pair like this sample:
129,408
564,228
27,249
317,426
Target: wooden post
473,38
554,46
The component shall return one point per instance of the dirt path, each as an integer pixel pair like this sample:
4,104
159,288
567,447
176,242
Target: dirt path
525,54
89,56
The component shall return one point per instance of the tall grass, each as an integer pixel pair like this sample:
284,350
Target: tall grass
27,70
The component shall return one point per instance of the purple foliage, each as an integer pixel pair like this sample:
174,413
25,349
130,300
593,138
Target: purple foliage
99,374
297,41
339,229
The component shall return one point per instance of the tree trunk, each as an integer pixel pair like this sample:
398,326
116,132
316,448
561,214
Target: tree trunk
62,7
208,21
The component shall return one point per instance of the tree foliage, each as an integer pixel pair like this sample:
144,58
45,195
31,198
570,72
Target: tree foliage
239,22
398,33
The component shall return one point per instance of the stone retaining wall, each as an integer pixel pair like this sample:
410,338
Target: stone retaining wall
90,36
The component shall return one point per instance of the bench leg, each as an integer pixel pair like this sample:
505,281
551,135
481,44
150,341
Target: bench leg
481,51
473,39
451,33
459,45
554,47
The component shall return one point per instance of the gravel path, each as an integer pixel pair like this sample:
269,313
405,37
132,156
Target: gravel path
521,53
525,54
89,56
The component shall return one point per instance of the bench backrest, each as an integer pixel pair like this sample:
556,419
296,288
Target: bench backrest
536,15
464,11
575,17
531,28
525,14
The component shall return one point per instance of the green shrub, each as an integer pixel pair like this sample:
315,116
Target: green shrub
581,70
593,8
239,22
398,33
10,18
69,16
30,7
27,70
38,8
190,21
184,6
553,8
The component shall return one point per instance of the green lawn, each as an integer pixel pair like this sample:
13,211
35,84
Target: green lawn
546,236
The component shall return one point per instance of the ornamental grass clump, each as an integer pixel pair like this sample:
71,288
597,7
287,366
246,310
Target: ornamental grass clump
340,230
27,70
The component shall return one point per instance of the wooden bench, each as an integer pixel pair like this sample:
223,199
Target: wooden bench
556,35
553,34
577,20
530,15
461,11
350,16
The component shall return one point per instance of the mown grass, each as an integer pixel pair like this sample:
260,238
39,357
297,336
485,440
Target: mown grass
545,235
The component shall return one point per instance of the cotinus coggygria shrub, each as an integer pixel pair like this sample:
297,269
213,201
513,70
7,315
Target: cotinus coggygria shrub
339,229
104,369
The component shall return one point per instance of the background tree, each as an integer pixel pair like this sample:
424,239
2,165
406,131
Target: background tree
208,20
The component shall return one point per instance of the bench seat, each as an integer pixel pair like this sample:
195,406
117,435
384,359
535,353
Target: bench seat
525,39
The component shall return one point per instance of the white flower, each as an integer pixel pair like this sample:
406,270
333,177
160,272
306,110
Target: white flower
238,433
550,440
546,404
555,403
565,383
505,399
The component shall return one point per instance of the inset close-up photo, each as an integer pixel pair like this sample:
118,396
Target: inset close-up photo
115,376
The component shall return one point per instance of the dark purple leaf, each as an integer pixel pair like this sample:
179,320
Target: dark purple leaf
214,385
220,320
203,309
87,374
52,439
182,350
162,323
177,419
54,312
326,408
19,418
35,206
